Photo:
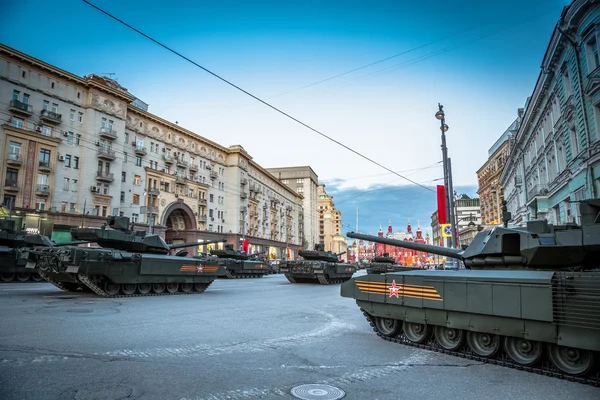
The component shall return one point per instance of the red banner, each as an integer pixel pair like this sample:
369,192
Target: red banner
441,201
245,246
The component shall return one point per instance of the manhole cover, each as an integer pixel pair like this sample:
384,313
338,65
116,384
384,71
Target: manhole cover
105,391
316,391
80,310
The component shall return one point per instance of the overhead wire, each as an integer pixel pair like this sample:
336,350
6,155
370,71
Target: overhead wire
255,97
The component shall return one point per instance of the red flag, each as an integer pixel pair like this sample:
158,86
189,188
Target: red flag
441,201
245,245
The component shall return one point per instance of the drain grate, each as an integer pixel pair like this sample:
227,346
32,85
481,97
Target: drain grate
315,391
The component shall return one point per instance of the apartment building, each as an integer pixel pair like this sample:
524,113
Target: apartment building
79,149
554,160
330,224
304,181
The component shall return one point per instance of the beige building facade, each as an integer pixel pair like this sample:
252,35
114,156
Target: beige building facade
304,181
330,224
75,150
488,177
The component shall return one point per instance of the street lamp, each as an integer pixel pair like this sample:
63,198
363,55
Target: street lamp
441,116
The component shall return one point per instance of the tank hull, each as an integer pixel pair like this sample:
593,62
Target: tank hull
491,316
116,273
243,268
12,269
322,272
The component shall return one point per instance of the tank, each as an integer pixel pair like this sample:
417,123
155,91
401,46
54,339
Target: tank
317,266
127,263
238,264
529,298
12,263
384,263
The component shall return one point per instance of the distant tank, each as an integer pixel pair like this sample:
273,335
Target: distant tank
129,263
384,264
12,263
529,298
238,264
318,266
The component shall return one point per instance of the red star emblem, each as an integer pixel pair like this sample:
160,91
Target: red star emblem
200,268
394,289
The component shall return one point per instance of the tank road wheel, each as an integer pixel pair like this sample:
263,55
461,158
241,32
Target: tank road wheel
483,344
186,287
111,288
23,276
128,288
7,276
172,287
388,327
200,287
449,338
36,277
143,288
417,333
158,287
570,360
522,351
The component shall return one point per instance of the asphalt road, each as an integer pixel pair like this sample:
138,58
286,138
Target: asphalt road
241,339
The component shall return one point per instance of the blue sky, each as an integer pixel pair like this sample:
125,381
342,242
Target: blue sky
480,59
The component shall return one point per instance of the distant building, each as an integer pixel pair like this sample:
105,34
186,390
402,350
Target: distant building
436,229
467,210
554,160
490,191
304,181
330,224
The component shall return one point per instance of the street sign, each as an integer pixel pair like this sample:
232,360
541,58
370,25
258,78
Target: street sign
446,230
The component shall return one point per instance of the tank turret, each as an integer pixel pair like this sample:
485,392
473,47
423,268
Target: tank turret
9,238
385,258
229,252
538,246
319,254
121,238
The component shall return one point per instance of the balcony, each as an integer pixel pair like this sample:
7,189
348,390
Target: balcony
181,163
18,107
202,218
193,168
244,182
154,192
140,150
51,117
11,186
203,201
214,174
168,159
44,166
106,154
42,190
105,176
180,180
14,160
244,195
536,191
108,133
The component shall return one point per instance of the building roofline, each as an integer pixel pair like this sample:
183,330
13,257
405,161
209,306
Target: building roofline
296,167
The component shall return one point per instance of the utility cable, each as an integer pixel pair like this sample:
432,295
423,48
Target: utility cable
257,98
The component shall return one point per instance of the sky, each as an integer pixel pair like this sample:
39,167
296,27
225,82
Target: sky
479,59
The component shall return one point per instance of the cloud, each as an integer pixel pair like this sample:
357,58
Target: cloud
382,203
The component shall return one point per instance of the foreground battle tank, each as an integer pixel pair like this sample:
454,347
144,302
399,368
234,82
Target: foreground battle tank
318,266
384,264
129,263
240,265
12,263
529,298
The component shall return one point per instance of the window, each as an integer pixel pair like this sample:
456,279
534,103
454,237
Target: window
74,185
66,183
14,149
68,161
46,130
136,199
300,181
137,179
104,210
138,161
17,122
80,117
69,137
46,105
76,162
300,189
45,156
591,48
54,107
135,217
72,115
25,98
123,176
105,188
103,123
110,124
77,139
574,143
567,84
12,176
40,205
126,138
211,198
122,197
285,181
9,201
16,95
124,157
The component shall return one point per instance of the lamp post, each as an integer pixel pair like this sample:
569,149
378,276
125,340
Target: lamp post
451,242
151,193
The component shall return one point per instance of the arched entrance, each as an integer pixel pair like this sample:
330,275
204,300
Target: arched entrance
179,219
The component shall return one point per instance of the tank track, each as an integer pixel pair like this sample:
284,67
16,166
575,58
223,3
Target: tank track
290,278
229,275
323,280
96,289
31,278
544,368
60,285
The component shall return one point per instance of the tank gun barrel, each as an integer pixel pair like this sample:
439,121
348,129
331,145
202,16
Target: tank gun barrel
427,248
73,243
192,244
